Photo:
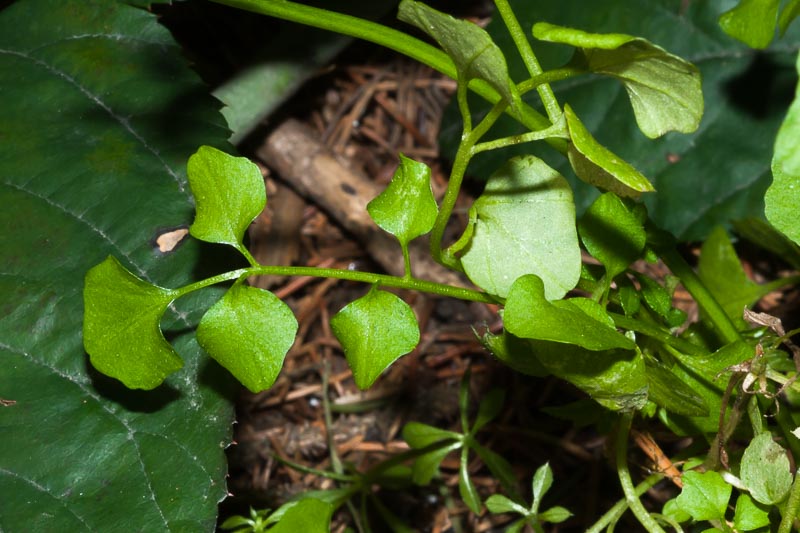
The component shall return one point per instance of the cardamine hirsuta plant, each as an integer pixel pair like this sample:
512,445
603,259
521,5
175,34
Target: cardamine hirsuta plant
609,330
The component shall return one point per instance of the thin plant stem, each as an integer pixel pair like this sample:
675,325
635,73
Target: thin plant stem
528,57
350,275
624,475
614,514
657,333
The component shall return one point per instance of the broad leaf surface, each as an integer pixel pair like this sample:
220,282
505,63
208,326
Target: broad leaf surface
468,45
529,315
121,327
752,22
704,495
722,273
375,331
750,515
783,195
718,173
612,233
229,193
671,393
523,223
664,89
99,116
308,515
249,332
406,208
765,470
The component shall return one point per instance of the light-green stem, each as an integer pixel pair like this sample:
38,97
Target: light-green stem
624,475
382,280
621,506
528,57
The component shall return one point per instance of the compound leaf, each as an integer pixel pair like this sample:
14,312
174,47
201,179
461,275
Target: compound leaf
375,331
783,195
468,45
249,332
406,208
704,496
664,89
229,193
597,165
121,326
99,115
765,470
523,223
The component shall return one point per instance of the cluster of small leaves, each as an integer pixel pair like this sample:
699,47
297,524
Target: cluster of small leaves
622,342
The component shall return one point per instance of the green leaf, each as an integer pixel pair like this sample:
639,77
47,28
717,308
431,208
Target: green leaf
765,470
790,12
249,332
375,331
597,165
523,223
671,393
659,299
497,504
542,481
708,378
420,436
555,515
664,89
704,496
121,326
308,515
489,407
99,116
229,192
498,466
749,514
752,22
783,196
711,177
612,233
406,208
722,273
515,352
529,315
466,487
469,46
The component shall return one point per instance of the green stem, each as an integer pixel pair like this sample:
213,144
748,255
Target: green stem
628,489
548,133
528,57
614,514
547,77
792,509
723,325
384,36
350,275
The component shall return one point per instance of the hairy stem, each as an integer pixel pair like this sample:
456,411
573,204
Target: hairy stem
628,489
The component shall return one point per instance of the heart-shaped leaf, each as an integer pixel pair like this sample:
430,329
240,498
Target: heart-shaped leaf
468,45
249,332
529,315
99,115
229,193
664,89
523,223
375,331
406,208
121,326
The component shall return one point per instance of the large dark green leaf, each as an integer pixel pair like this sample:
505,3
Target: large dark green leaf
98,116
704,179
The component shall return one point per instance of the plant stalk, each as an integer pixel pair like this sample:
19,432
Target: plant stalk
628,489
